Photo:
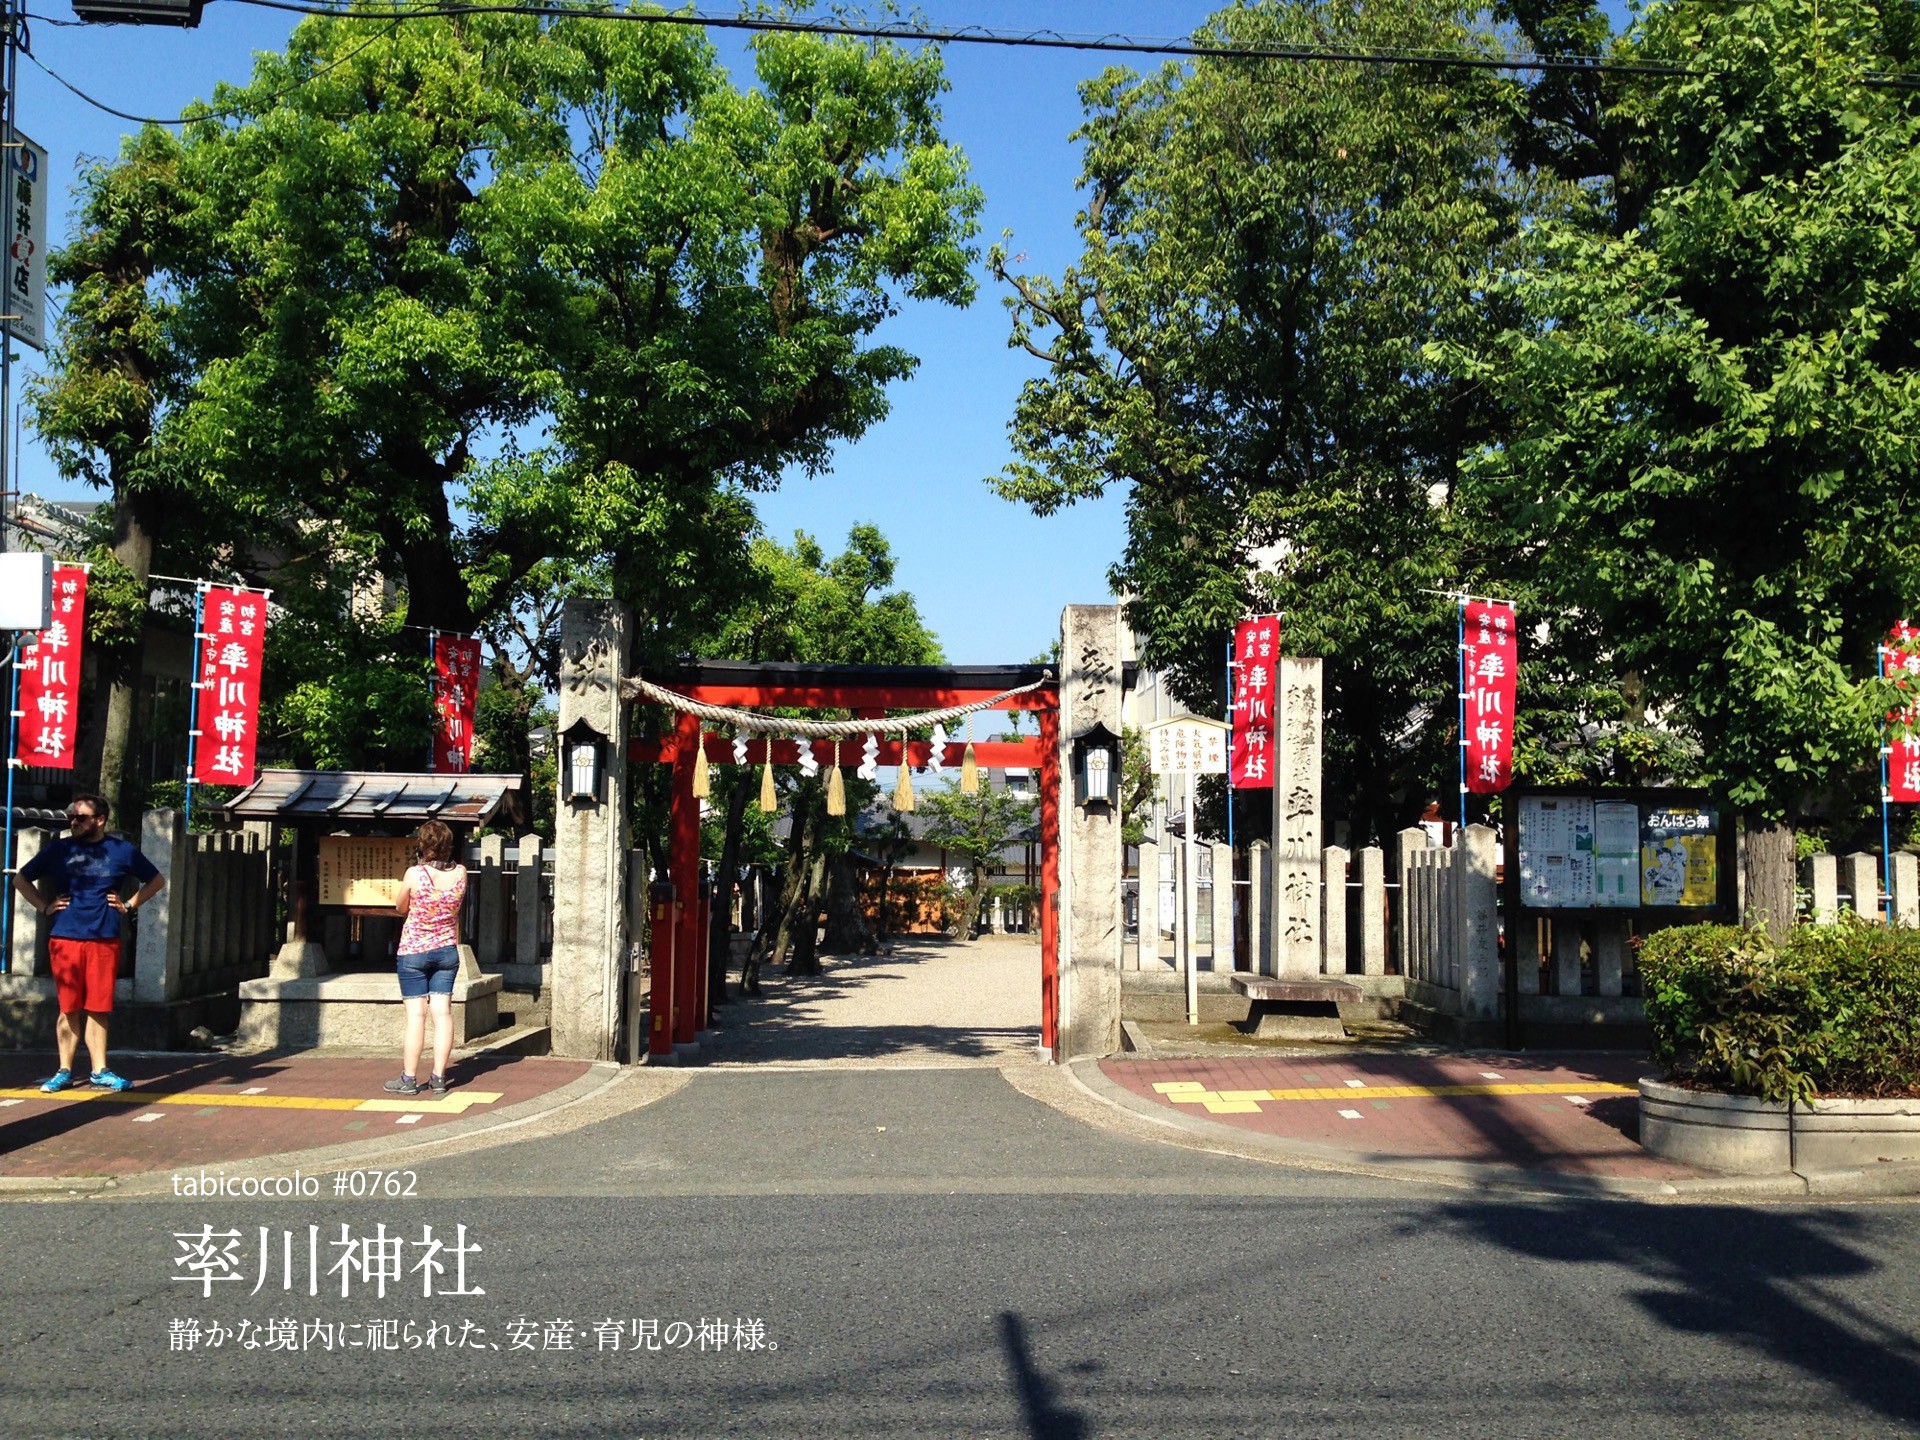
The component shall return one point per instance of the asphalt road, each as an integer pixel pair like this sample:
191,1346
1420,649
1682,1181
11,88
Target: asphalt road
983,1265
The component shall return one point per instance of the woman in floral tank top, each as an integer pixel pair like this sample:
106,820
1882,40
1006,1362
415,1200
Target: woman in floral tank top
431,896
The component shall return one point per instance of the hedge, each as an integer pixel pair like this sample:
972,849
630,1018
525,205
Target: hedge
1834,1011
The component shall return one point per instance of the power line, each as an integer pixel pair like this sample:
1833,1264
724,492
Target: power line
1029,39
232,114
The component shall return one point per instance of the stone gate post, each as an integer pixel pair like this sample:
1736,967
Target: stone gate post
1297,827
1091,853
590,834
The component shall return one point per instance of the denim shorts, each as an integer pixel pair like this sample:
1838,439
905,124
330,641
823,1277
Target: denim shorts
429,971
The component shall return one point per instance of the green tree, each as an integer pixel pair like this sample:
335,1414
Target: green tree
1268,245
416,250
978,827
1709,401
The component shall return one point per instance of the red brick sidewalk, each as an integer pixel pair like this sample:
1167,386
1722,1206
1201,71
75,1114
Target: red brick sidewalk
1565,1114
190,1111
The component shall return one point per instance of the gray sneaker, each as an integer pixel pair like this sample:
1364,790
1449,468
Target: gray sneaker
404,1085
437,1084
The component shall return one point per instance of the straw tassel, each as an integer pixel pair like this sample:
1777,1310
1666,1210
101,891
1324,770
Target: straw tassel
836,787
903,788
769,802
702,782
969,772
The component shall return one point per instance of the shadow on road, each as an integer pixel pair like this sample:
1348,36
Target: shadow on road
1040,1407
1785,1284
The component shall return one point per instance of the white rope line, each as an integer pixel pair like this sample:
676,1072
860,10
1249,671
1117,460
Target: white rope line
638,689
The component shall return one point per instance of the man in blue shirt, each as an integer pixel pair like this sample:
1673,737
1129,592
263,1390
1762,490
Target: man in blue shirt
86,866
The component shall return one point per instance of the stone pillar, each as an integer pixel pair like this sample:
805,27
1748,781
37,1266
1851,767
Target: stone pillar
1407,844
1904,882
156,955
1566,957
590,836
27,946
1821,875
1146,954
527,905
1296,821
490,902
1333,909
1223,957
1609,953
1477,895
1373,911
1091,850
1260,916
1861,871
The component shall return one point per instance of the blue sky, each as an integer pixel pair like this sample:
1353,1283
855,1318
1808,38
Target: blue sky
990,577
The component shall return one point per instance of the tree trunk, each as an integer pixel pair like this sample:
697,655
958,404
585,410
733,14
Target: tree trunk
720,924
805,956
791,889
976,898
120,667
1769,878
847,929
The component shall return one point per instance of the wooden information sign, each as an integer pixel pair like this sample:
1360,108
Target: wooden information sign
361,871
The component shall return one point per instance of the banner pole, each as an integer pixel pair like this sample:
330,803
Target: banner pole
1230,715
1460,662
13,739
433,700
193,702
1886,798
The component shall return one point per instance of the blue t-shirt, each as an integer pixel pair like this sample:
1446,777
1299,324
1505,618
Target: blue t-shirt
89,872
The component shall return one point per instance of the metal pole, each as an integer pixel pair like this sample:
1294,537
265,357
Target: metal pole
195,685
1189,909
1886,798
10,38
1460,658
13,738
1230,720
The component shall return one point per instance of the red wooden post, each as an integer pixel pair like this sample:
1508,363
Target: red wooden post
1050,881
660,969
702,1001
684,845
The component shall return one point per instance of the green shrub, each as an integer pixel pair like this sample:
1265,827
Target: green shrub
1834,1011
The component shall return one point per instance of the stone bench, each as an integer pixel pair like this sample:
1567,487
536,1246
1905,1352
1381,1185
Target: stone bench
1295,1009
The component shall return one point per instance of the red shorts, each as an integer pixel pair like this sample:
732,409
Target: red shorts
83,973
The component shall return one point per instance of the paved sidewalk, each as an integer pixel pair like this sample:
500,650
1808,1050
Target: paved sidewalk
187,1111
1568,1115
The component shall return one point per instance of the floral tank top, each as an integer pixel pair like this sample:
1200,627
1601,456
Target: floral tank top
433,920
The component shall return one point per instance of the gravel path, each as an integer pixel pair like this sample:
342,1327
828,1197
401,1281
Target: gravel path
932,1003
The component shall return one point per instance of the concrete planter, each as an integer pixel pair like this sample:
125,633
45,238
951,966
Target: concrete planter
1740,1135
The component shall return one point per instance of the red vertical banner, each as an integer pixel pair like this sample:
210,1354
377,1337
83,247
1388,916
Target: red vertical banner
49,669
1902,666
456,681
1256,656
232,642
1490,656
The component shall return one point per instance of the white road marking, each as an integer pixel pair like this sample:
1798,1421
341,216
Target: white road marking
408,1120
151,1115
1351,1115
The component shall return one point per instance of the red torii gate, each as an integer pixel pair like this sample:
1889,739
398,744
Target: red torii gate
677,1007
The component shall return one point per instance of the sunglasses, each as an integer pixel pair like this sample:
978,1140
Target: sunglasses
78,815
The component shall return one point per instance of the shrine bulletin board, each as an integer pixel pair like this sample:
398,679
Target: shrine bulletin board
1667,853
362,871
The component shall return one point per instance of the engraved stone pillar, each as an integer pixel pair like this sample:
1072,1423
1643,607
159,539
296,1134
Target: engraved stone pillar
490,907
1407,844
1260,917
1373,911
1861,870
1091,850
526,903
1297,822
1333,910
1905,884
1821,875
1477,954
590,837
1146,954
1223,958
156,955
1609,953
1566,957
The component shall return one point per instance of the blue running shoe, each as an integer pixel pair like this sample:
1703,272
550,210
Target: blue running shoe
56,1082
107,1080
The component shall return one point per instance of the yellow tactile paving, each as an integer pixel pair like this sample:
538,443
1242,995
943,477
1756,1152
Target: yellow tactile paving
1247,1102
457,1104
